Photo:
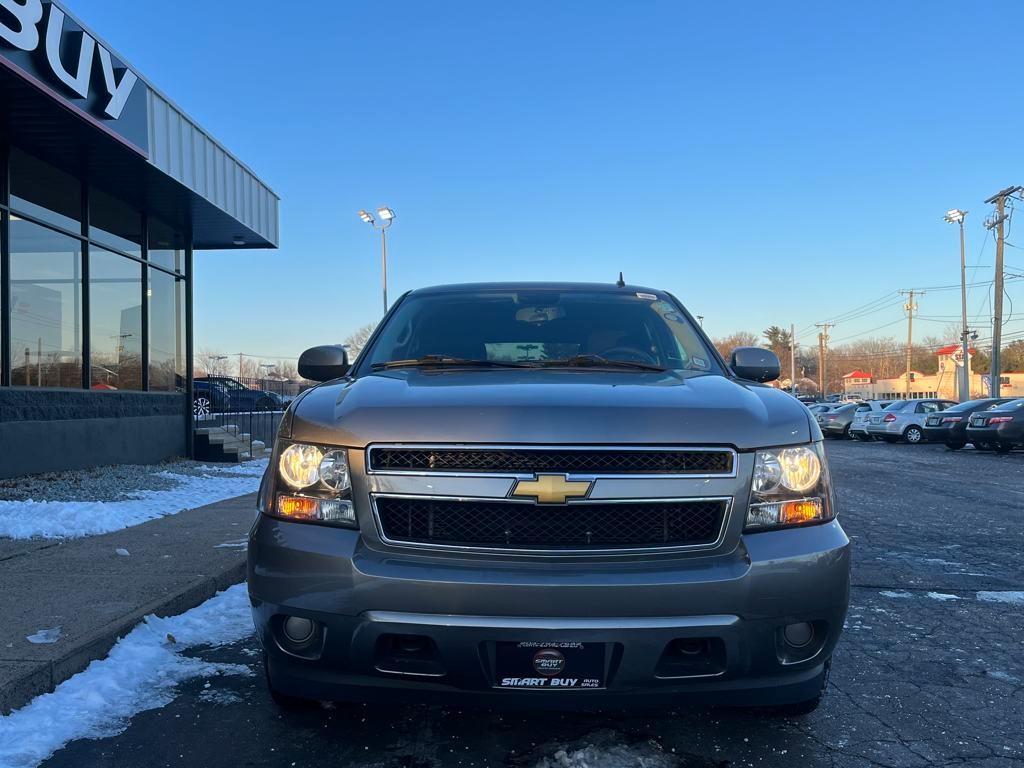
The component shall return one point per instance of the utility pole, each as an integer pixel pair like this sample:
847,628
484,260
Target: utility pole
793,358
995,370
822,358
911,308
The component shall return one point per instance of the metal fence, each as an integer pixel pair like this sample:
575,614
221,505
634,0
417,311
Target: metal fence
235,418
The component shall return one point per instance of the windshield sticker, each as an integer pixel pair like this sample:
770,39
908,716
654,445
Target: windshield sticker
699,362
647,296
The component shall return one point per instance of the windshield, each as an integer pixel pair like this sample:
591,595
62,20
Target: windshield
542,326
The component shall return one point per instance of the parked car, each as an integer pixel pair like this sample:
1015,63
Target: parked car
1001,428
859,425
904,419
550,495
950,426
836,422
222,394
818,408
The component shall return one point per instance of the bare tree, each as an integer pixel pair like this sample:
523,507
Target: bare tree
727,344
210,362
357,340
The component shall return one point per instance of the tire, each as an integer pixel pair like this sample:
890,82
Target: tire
801,708
1003,448
283,700
264,404
201,406
913,435
846,432
955,446
982,447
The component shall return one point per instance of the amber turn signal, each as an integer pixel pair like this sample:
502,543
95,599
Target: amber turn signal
297,507
802,511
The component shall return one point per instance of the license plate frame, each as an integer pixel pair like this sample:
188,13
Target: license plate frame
563,665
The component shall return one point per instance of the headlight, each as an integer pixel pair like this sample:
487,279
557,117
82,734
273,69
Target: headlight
300,465
790,487
320,486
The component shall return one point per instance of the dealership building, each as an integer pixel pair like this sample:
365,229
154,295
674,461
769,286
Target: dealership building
107,191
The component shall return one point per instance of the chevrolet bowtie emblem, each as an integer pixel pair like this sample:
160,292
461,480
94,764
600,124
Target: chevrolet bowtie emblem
551,489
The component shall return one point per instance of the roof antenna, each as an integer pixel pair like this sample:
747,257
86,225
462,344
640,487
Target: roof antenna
621,283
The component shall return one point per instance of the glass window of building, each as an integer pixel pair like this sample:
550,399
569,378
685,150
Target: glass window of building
166,332
46,307
42,191
166,246
114,223
115,315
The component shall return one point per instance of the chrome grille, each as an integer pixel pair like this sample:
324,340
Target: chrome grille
581,526
603,461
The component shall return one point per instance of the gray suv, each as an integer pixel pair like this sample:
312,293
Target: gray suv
550,494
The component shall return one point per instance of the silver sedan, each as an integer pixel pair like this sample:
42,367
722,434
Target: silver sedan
904,419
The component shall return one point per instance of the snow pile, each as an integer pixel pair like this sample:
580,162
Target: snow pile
69,519
140,673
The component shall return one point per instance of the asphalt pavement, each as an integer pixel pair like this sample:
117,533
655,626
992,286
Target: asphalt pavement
930,670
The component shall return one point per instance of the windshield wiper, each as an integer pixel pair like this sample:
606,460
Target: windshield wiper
596,361
436,361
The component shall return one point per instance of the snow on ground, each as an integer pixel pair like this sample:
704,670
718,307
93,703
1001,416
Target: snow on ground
942,596
70,519
1016,598
140,673
605,750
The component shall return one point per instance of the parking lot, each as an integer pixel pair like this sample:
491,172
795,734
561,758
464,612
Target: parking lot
930,670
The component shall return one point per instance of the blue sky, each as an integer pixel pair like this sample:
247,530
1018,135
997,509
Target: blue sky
769,163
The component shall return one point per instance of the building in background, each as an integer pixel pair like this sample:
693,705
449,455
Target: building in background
944,384
106,191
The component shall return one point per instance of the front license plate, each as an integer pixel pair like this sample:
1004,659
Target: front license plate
556,665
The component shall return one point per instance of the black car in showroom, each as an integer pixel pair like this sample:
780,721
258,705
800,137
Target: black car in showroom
1002,428
950,426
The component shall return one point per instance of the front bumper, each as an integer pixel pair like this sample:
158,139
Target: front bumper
463,605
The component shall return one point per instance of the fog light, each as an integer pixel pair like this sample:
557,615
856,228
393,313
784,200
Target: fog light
298,630
798,635
690,647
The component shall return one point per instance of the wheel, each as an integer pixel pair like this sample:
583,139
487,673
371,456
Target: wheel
955,446
264,404
891,439
801,708
201,406
846,432
283,700
982,447
913,435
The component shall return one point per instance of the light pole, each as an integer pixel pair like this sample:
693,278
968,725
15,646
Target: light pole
387,216
216,359
956,216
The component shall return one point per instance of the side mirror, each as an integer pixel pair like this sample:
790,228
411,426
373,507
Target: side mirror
755,364
324,363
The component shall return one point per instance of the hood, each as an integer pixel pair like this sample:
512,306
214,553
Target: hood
563,407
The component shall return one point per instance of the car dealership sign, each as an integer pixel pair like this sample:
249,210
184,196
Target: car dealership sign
42,41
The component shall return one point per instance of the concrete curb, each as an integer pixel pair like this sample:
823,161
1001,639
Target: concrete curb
44,677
